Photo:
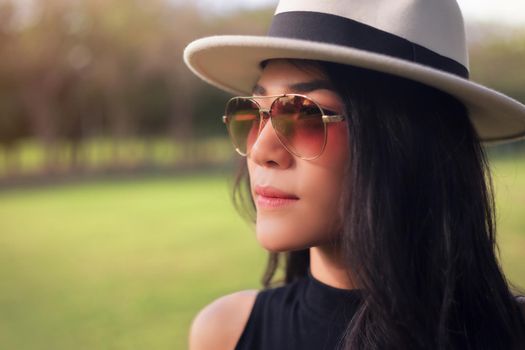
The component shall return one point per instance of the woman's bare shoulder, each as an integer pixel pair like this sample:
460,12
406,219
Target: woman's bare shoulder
219,324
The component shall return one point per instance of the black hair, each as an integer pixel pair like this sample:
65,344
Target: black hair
419,221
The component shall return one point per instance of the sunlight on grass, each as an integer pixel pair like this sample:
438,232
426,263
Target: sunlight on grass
118,265
509,181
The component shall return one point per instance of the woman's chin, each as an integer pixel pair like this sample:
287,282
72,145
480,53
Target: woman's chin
275,247
279,239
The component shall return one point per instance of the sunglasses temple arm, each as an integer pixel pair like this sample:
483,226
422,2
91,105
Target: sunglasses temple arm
333,118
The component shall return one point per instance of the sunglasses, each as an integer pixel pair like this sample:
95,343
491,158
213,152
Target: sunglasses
298,121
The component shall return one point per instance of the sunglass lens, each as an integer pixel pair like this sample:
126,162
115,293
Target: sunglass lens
243,123
299,124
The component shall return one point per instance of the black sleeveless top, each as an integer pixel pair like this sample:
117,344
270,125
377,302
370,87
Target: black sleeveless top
305,314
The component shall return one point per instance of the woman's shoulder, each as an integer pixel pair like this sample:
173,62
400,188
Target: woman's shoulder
219,324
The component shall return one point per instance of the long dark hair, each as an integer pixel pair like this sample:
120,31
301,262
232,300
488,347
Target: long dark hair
419,224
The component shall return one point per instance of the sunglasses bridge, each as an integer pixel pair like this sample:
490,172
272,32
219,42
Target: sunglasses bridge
265,116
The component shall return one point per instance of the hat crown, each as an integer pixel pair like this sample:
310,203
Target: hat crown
434,24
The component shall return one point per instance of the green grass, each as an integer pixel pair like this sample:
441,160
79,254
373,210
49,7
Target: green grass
509,181
127,264
118,265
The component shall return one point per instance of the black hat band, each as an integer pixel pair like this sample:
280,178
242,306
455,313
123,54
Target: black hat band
332,29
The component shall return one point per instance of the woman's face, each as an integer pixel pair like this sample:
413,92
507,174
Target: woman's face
311,219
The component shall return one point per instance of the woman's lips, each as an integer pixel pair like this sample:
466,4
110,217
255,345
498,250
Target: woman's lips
271,198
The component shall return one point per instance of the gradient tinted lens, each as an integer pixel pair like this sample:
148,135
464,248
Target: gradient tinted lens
243,123
298,122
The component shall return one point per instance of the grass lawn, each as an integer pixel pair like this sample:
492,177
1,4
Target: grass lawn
126,265
118,265
509,181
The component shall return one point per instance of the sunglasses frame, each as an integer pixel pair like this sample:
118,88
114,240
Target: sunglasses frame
264,113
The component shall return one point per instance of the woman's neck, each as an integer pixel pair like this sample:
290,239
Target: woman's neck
326,266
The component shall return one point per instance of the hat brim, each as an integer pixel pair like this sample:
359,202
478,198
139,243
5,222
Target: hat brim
232,63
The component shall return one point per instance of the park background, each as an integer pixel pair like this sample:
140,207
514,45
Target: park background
116,224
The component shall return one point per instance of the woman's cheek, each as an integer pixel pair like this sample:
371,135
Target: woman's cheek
313,219
336,152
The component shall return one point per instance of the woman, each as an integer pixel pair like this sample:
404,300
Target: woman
365,171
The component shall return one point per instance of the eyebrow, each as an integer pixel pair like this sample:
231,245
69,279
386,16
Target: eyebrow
299,87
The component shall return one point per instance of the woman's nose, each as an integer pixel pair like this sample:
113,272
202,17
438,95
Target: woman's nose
268,149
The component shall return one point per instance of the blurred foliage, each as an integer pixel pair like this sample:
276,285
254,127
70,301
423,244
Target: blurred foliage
75,70
72,71
499,62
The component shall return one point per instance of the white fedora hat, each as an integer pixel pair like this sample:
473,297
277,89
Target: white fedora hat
422,40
